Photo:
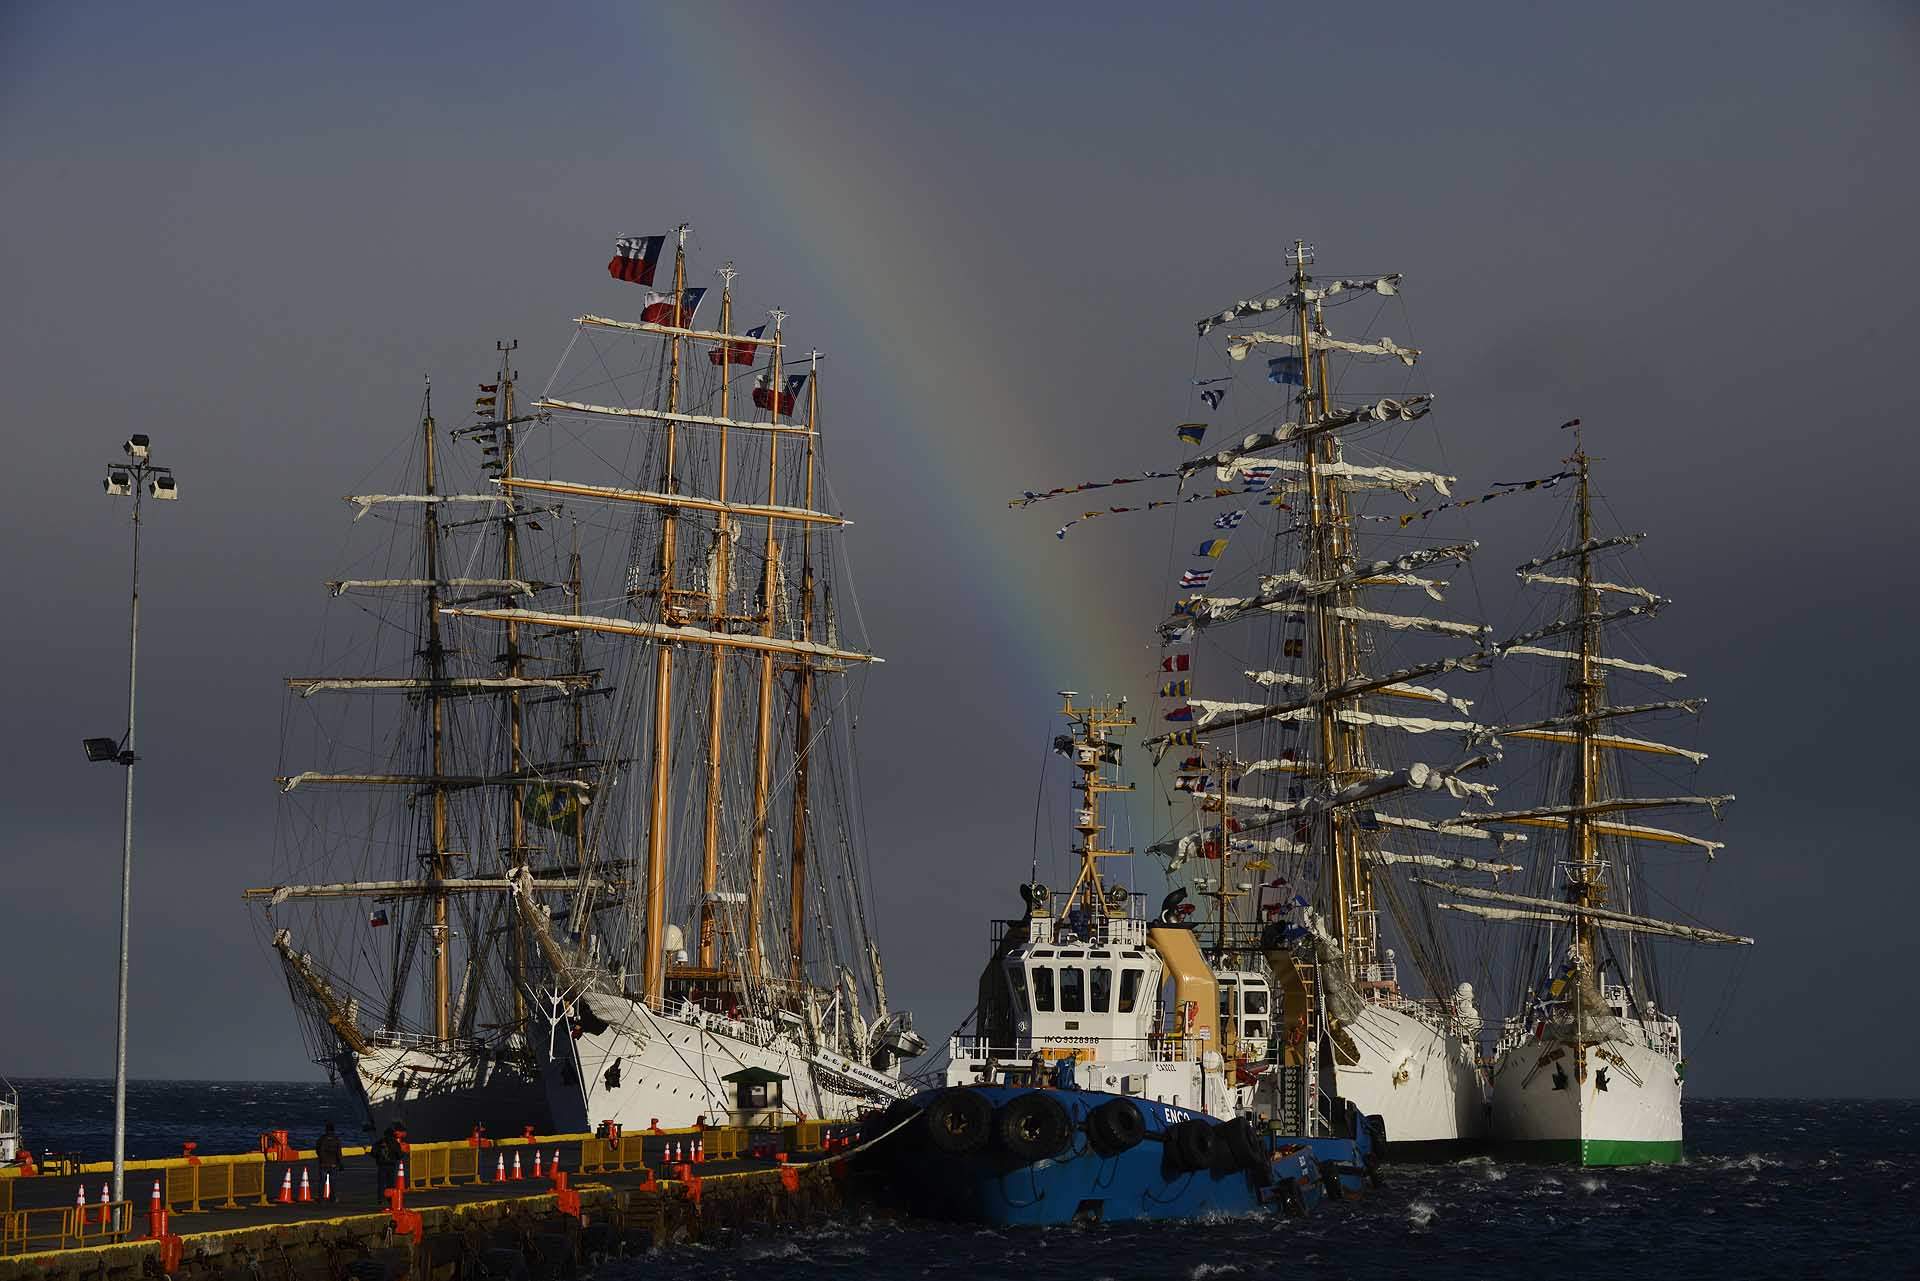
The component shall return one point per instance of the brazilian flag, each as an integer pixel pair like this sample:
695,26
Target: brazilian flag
558,809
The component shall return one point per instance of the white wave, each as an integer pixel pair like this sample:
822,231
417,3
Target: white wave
1420,1214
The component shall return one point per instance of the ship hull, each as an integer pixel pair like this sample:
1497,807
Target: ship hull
1626,1110
905,1169
626,1063
1424,1084
439,1093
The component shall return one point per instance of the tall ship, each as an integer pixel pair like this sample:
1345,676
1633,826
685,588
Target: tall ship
1590,1068
419,772
1318,747
718,923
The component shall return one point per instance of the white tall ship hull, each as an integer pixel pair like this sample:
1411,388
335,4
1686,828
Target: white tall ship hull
639,1067
1623,1110
1424,1082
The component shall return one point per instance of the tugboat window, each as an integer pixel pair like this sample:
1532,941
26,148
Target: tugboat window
1043,989
1102,989
1254,1000
1073,990
1130,988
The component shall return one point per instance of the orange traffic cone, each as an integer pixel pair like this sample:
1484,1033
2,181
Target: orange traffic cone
517,1176
500,1169
699,1150
554,1165
106,1198
80,1202
326,1186
156,1213
536,1164
286,1187
306,1188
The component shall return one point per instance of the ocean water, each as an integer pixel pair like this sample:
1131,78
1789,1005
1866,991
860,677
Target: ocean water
1771,1188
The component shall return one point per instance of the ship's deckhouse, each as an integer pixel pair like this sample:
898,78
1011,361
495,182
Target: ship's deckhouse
1075,995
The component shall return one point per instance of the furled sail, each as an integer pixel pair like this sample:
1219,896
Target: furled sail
1553,909
1287,433
1587,548
1404,479
1240,344
1561,580
1387,285
1648,669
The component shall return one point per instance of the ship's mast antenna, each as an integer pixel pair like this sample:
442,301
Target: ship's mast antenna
803,698
1587,888
1093,748
516,754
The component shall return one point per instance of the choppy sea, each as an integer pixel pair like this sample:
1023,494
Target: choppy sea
1771,1188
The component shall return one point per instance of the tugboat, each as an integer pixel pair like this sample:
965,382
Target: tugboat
1088,1093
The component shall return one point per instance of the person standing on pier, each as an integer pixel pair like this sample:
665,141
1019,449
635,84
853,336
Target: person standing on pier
386,1163
327,1152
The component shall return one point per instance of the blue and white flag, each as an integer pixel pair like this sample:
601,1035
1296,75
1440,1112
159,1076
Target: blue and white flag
1214,397
1228,520
1196,578
1287,369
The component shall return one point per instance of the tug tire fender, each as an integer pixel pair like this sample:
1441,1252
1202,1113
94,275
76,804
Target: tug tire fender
1033,1126
1237,1136
1115,1126
959,1122
1191,1145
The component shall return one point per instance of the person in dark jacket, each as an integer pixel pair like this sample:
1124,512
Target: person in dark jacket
327,1152
386,1164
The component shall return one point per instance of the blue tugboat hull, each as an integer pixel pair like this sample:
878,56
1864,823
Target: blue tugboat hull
1156,1177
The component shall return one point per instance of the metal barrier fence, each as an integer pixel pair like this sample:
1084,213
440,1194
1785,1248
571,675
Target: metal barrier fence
222,1181
441,1165
59,1227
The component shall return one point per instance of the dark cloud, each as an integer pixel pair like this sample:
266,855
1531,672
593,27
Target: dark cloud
1690,227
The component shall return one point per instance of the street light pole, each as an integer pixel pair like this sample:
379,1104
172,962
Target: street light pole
135,478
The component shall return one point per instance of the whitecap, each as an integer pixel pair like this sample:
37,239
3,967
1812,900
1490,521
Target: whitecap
1420,1214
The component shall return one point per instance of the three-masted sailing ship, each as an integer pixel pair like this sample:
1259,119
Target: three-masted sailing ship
427,772
744,944
1306,808
1590,1066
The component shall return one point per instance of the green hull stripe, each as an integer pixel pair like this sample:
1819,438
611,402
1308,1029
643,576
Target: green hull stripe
1597,1151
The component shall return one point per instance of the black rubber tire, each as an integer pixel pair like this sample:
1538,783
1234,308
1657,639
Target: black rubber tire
1242,1148
1115,1126
959,1122
1190,1145
1033,1127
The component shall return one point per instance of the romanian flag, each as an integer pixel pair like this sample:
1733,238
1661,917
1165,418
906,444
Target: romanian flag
1175,662
737,353
1181,713
1192,433
659,308
635,257
1176,689
1213,548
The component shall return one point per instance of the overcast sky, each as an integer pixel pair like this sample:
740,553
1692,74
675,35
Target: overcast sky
249,229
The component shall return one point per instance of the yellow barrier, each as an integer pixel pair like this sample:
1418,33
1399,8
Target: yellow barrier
806,1136
57,1227
725,1143
439,1165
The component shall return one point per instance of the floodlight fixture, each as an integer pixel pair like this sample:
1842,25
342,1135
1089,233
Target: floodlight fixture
161,485
119,482
100,750
136,448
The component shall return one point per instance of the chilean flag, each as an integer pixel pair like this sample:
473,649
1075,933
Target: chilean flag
659,308
736,353
635,257
789,391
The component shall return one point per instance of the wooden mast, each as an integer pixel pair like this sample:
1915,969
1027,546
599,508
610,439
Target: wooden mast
716,678
803,700
654,941
1587,696
516,755
763,726
436,739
